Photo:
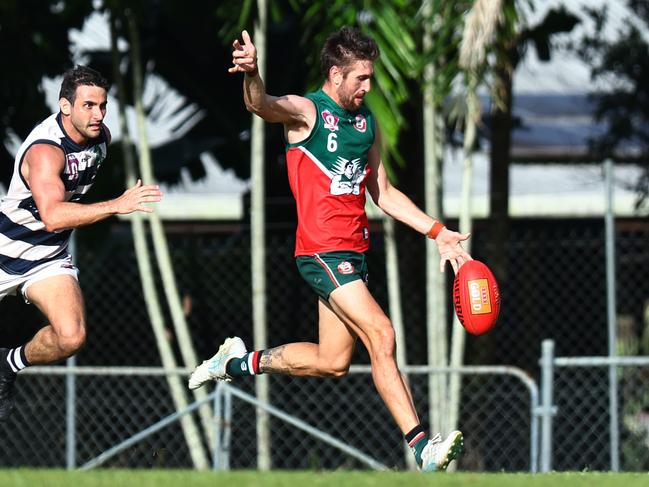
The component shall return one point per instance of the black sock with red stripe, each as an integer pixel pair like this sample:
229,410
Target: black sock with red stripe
246,365
417,440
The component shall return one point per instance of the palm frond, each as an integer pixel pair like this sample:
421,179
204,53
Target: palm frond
479,29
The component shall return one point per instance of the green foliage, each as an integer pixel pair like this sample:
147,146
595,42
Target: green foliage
33,43
622,64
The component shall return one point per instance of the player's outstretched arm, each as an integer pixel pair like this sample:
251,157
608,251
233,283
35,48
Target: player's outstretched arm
400,207
291,110
42,168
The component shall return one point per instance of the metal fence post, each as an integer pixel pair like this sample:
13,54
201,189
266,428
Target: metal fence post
71,393
70,416
547,409
218,423
611,307
227,428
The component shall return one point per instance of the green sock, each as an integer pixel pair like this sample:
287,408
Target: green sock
417,440
246,365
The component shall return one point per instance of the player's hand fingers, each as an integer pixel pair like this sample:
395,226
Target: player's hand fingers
246,37
150,199
236,45
242,54
150,187
150,190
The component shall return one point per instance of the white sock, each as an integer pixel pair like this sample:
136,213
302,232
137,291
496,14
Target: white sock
16,359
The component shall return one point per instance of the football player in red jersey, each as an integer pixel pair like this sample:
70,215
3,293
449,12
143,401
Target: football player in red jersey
333,147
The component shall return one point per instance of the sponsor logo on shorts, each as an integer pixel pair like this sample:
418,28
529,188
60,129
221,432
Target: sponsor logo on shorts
346,267
479,296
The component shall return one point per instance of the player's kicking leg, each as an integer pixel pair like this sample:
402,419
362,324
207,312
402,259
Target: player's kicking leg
356,306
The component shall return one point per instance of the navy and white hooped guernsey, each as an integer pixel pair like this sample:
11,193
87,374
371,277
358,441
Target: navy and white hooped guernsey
24,242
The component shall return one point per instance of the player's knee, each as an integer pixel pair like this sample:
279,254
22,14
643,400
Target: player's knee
383,339
337,369
70,343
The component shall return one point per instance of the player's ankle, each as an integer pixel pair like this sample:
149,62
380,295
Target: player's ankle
246,365
417,439
14,360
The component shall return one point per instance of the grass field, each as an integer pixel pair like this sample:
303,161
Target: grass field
189,478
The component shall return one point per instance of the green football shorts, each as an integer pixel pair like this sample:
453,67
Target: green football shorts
329,270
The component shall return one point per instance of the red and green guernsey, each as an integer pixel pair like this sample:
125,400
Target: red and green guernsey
327,174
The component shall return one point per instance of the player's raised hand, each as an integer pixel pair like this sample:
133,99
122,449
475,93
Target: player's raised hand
133,199
450,249
244,56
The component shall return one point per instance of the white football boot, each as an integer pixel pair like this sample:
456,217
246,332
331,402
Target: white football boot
214,368
437,454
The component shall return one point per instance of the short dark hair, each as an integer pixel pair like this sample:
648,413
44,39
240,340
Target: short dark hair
346,46
80,76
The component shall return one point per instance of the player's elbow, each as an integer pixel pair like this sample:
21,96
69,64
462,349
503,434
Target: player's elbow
52,224
256,108
385,205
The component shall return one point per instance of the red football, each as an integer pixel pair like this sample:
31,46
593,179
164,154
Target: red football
476,297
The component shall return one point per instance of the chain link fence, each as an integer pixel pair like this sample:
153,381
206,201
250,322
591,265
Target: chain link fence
582,425
111,406
555,289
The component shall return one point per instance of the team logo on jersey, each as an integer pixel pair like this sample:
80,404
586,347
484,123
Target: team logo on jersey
330,120
361,123
345,267
347,176
72,167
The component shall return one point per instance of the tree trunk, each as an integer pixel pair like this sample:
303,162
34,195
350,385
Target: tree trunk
191,433
500,161
435,281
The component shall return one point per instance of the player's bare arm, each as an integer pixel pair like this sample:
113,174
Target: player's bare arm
295,112
42,168
400,207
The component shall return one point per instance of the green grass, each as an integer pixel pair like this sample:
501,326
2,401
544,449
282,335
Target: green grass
189,478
